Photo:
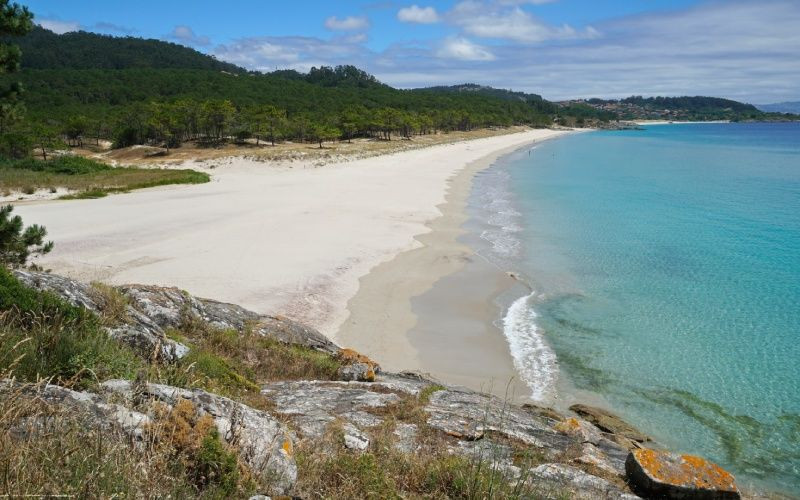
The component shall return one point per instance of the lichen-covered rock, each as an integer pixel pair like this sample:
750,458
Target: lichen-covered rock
313,405
669,475
171,307
608,422
95,411
351,357
360,372
556,480
138,330
264,443
468,415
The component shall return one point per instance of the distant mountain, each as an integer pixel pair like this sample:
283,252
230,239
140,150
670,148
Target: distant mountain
676,108
43,49
781,107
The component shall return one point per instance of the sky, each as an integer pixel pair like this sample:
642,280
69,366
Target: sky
747,50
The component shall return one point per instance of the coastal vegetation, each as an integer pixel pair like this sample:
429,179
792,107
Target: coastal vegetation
20,172
86,178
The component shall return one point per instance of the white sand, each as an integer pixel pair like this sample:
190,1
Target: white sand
292,241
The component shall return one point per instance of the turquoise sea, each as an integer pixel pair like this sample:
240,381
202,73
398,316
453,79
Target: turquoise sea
664,266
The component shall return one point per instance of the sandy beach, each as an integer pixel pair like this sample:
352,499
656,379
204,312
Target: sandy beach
290,239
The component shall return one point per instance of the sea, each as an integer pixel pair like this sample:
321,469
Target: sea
662,279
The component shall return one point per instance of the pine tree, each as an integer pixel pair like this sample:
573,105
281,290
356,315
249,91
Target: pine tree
18,243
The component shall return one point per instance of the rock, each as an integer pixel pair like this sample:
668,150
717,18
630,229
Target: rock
95,411
586,432
138,331
313,405
556,480
468,415
354,439
170,308
405,437
360,372
263,443
608,422
663,474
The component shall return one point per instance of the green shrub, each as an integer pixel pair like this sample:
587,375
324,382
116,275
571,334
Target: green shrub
41,336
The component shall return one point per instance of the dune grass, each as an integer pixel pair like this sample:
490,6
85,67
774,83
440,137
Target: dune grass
88,178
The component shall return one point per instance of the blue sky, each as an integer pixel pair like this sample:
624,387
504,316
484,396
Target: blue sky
741,49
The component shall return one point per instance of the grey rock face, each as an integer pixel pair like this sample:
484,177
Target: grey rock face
265,444
556,480
360,372
96,412
470,415
608,422
313,405
168,308
138,331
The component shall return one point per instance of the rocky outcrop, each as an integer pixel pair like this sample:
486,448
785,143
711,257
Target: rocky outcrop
93,409
263,443
137,329
608,422
172,307
660,474
586,455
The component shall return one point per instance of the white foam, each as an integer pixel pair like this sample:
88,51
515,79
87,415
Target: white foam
534,360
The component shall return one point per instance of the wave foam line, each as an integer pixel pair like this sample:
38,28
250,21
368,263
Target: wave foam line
534,360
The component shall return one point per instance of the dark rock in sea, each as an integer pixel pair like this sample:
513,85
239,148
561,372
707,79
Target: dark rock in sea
660,474
608,422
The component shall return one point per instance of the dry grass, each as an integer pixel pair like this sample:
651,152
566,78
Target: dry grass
328,470
48,450
112,303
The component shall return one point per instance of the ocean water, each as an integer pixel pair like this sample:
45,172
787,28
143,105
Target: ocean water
664,270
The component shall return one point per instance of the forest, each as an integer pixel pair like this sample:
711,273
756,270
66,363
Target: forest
84,86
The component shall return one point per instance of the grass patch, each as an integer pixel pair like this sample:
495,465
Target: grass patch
44,337
113,304
90,178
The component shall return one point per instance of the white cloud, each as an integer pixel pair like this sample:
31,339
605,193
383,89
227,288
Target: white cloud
487,20
417,14
350,23
59,27
293,52
185,34
463,50
736,49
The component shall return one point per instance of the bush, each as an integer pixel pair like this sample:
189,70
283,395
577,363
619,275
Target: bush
68,165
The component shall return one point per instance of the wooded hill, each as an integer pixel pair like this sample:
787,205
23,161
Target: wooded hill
136,91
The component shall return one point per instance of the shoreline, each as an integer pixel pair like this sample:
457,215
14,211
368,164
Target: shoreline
384,301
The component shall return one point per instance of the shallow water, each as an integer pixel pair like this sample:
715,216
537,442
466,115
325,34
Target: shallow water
665,269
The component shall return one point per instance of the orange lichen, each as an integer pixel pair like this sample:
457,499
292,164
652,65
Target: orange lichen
684,470
287,447
350,356
568,426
